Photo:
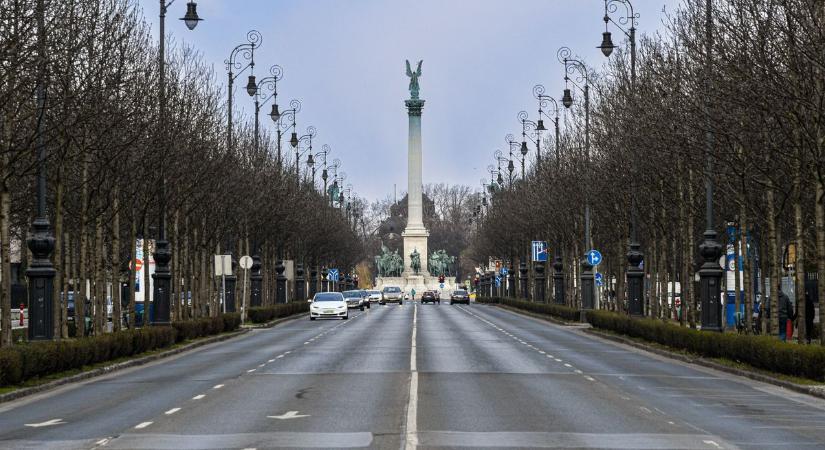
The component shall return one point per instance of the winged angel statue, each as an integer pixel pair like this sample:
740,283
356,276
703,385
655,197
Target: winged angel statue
414,79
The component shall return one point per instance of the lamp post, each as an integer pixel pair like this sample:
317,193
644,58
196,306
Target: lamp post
710,272
528,126
294,142
41,272
282,126
163,253
635,275
270,82
572,66
510,139
245,51
544,102
325,150
499,158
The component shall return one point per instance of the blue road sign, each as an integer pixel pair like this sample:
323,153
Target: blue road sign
498,281
504,271
599,279
594,258
539,251
441,285
333,275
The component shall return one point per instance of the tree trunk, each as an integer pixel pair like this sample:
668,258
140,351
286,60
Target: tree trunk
59,304
819,212
147,279
130,312
799,229
773,248
114,266
99,288
5,276
80,294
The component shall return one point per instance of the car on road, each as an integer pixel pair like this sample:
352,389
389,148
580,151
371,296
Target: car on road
354,299
460,296
328,304
430,297
392,294
374,296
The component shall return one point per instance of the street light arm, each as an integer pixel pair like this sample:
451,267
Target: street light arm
246,51
612,6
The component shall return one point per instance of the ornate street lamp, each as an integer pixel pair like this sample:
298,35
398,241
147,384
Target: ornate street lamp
285,121
271,83
163,253
325,150
710,273
528,129
246,51
635,275
294,141
576,66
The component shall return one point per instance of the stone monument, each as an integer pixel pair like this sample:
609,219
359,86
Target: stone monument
415,273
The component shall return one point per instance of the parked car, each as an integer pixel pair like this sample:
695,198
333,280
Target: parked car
392,294
329,305
375,296
460,296
354,299
430,297
366,297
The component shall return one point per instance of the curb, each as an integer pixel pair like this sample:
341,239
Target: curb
273,322
537,316
25,392
698,360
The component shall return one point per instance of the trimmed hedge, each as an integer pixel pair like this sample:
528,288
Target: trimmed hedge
763,352
548,309
263,314
31,360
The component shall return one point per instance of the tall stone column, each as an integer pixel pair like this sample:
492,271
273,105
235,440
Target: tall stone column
415,235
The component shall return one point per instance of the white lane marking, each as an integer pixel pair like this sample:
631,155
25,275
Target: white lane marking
261,365
270,360
567,365
286,353
670,422
289,415
103,441
47,423
143,425
646,410
412,402
172,411
578,371
305,343
713,444
251,370
542,352
557,359
278,357
217,386
590,378
198,397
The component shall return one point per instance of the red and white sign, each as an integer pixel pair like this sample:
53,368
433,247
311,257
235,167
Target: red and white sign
139,265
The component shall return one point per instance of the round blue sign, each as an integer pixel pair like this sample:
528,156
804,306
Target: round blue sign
594,258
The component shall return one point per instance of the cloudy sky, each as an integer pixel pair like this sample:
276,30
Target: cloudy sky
344,60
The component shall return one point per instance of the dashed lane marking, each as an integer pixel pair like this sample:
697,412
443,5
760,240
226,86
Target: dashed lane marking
142,425
198,397
217,386
172,411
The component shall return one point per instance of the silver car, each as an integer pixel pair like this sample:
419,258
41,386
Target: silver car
354,299
392,294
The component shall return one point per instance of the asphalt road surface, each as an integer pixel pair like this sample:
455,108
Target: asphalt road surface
428,376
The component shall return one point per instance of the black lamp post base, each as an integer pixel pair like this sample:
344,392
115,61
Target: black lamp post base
163,283
710,275
41,282
635,278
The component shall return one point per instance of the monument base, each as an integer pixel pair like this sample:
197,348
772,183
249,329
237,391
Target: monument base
415,239
418,282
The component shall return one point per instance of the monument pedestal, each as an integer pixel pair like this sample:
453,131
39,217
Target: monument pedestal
415,239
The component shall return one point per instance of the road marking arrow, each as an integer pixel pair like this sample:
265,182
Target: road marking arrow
47,423
289,415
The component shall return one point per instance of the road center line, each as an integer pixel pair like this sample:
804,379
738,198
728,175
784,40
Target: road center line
411,427
143,425
198,397
172,411
217,386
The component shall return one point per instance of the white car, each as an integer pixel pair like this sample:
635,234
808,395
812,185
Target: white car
328,304
375,296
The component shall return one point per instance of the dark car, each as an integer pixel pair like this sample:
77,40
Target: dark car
366,297
430,297
460,296
354,299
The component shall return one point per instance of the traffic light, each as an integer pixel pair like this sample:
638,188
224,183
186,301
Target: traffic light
441,278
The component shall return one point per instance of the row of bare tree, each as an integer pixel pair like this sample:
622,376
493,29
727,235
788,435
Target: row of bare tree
745,89
105,154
